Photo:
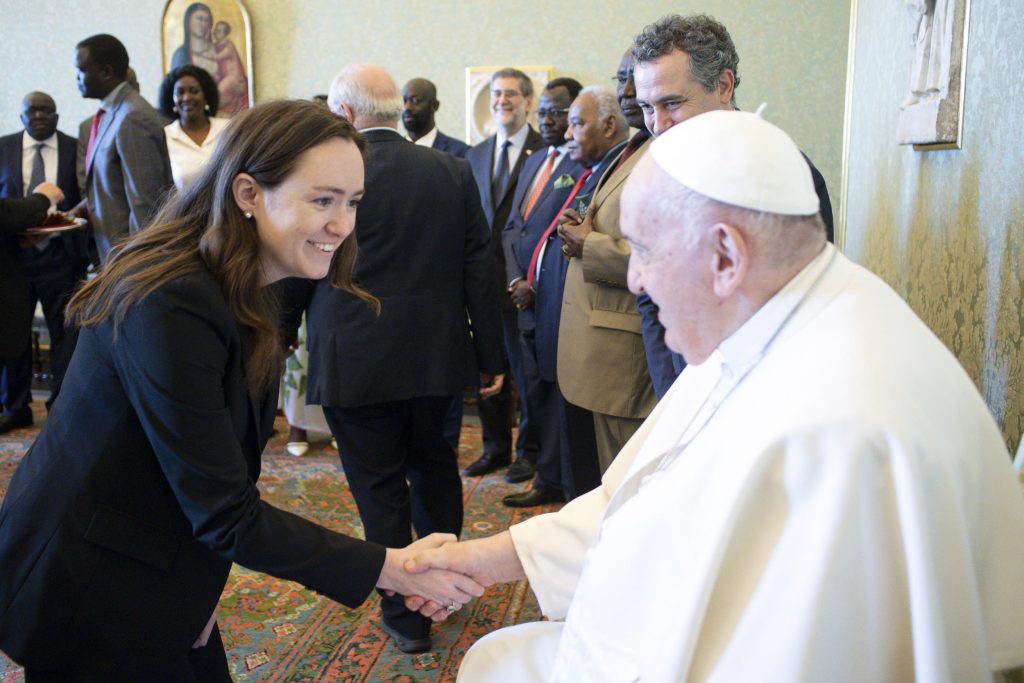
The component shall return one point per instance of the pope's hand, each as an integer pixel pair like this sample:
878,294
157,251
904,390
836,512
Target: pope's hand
441,586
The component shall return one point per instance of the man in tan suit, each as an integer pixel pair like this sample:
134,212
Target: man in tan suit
602,368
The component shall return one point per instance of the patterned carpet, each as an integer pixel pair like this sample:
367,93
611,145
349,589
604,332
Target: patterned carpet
276,630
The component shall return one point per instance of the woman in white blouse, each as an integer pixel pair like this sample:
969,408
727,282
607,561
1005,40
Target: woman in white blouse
189,96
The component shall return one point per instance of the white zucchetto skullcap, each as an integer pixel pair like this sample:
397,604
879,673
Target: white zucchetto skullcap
740,159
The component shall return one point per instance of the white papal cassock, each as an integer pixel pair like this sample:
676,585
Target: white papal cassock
842,508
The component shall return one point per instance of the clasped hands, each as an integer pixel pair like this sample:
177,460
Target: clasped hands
573,229
437,574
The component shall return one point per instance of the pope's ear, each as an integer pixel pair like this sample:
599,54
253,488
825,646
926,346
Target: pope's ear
246,191
730,259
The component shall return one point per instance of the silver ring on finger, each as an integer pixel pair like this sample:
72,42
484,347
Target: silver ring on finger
452,608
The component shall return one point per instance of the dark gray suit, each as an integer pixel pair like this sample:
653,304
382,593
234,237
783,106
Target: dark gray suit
496,412
454,146
129,171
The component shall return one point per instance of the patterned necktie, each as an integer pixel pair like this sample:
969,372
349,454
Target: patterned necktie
92,135
500,182
531,273
541,183
38,176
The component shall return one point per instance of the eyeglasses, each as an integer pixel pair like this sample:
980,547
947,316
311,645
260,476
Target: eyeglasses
510,94
620,79
553,113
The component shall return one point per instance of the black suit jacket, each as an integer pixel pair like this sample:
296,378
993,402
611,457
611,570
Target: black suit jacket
123,519
520,237
71,245
446,143
481,159
15,311
424,251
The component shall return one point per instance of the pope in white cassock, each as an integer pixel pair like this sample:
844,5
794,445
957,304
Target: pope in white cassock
822,496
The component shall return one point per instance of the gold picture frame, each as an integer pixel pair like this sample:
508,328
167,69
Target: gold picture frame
217,36
479,125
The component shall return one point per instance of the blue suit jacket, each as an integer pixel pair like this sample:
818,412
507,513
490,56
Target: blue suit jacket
550,287
519,237
454,146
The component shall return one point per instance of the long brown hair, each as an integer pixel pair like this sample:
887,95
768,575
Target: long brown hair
201,227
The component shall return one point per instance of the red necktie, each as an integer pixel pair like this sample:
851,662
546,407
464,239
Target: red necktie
542,181
531,274
92,135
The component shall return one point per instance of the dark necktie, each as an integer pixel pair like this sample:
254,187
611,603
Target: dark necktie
500,182
637,141
92,135
541,183
531,274
38,176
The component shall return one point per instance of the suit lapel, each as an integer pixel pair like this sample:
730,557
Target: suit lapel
106,123
14,153
607,185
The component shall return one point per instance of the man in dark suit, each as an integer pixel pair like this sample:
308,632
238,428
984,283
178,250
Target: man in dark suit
53,266
547,178
127,170
421,104
16,214
664,75
497,163
386,381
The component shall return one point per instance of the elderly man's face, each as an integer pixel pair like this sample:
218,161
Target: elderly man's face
509,106
668,94
587,134
670,262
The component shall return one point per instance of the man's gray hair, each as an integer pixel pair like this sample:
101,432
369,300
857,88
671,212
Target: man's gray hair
607,105
525,84
704,39
368,106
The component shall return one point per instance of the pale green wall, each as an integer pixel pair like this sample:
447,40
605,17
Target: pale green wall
792,54
946,229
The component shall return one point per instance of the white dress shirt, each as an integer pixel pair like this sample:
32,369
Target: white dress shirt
28,155
426,140
188,158
518,140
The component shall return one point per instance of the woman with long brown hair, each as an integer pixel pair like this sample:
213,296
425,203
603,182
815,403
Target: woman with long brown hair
123,519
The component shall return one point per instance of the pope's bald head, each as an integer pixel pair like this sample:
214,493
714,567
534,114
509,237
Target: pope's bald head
366,95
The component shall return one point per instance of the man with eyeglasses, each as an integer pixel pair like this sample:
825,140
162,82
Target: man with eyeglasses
548,179
602,372
497,163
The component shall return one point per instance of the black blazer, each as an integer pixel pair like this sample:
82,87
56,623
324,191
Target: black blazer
481,159
446,143
71,245
15,309
123,519
424,251
519,238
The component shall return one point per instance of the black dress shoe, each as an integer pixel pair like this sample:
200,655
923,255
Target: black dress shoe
532,498
519,471
407,645
14,421
488,462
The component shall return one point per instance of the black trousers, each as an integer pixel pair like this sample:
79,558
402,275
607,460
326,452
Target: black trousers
581,469
207,664
497,413
403,475
51,286
543,399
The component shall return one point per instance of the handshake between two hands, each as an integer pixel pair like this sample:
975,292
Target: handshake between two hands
437,574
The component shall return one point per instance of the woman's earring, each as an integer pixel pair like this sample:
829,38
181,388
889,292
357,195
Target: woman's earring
248,214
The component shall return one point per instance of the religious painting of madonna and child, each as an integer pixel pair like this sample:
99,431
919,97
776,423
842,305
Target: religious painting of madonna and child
217,36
